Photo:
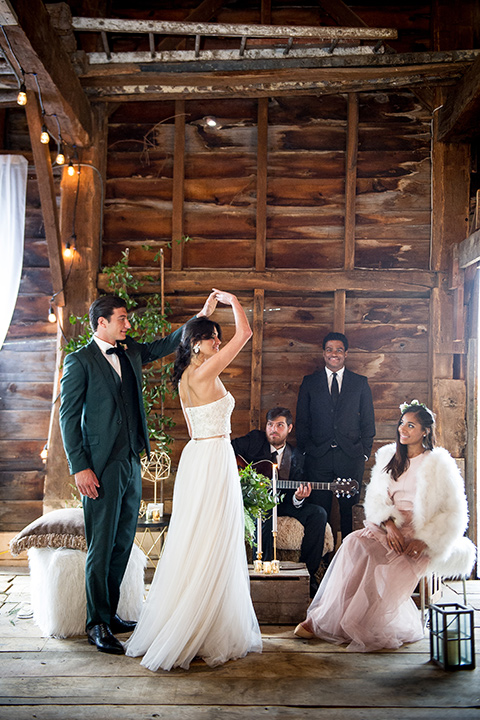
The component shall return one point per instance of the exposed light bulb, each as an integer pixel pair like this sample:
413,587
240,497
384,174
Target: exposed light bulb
22,95
71,169
210,121
68,252
44,137
60,159
44,453
52,318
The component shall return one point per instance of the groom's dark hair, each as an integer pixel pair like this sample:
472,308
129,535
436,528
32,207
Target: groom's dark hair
104,307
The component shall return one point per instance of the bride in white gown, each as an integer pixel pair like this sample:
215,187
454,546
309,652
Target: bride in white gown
199,603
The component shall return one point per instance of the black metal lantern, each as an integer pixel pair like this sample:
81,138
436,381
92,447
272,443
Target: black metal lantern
452,640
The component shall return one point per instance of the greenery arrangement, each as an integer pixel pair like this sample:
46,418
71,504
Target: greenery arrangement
147,325
258,499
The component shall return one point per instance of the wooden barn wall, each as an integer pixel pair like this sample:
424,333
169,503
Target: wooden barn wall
305,229
27,361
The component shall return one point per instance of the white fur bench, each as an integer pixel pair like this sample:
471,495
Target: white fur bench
57,553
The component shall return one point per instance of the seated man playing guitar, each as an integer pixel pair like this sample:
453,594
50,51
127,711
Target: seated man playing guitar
258,446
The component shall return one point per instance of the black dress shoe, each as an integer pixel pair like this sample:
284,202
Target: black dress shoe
102,637
122,626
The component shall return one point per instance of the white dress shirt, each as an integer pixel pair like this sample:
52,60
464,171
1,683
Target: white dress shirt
113,359
339,378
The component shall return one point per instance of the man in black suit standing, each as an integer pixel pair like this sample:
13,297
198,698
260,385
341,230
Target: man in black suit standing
335,425
272,444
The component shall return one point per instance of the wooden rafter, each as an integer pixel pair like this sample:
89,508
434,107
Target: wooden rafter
39,51
299,81
344,15
458,117
46,189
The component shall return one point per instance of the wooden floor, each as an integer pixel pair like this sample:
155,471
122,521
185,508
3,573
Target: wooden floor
49,679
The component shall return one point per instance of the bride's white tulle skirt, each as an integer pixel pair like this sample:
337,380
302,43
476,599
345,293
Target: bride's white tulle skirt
199,603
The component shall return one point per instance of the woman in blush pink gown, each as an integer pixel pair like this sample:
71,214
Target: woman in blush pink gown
416,515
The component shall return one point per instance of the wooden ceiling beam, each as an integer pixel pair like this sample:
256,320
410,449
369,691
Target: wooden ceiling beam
39,51
344,15
287,281
458,117
48,200
297,81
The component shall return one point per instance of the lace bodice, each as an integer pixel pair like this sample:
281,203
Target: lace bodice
212,419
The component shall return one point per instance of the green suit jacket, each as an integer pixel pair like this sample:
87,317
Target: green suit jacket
90,414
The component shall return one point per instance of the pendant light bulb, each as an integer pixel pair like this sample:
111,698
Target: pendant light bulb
44,137
22,95
68,252
71,169
44,453
60,159
52,318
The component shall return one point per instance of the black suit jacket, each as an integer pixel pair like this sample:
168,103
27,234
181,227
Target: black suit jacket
254,447
351,423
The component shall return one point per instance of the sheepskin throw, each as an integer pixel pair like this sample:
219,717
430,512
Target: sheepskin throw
58,528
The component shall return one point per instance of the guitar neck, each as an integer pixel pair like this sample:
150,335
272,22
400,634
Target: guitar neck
292,485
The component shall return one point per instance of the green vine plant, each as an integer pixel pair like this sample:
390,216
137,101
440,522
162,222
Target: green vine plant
148,323
258,499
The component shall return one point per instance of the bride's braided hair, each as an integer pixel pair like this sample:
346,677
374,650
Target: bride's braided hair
195,330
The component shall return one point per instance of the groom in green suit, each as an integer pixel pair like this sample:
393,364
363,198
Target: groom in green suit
104,430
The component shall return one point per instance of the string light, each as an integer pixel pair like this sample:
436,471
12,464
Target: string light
52,318
68,252
71,169
210,121
60,159
44,453
22,95
44,137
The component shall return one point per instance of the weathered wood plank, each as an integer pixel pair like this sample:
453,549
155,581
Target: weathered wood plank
182,712
27,396
20,363
16,514
18,424
21,485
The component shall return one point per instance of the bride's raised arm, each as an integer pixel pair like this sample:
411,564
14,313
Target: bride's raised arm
213,366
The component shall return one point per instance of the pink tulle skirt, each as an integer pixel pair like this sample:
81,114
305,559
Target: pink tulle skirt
365,596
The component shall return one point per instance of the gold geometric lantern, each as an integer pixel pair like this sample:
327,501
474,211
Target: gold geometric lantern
156,469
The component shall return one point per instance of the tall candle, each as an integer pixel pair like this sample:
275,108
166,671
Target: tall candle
274,489
259,536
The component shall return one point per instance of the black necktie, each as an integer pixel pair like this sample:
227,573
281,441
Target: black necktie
116,350
273,457
334,389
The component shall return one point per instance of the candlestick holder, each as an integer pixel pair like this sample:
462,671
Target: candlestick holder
275,562
258,564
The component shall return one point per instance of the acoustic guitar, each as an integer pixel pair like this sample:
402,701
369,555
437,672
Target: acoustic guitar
341,487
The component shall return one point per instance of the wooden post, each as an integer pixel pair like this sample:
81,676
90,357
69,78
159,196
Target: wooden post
178,186
256,368
339,302
80,216
262,154
351,180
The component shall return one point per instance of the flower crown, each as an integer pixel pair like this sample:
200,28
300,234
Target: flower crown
414,403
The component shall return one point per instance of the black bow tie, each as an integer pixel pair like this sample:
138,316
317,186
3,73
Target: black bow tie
116,350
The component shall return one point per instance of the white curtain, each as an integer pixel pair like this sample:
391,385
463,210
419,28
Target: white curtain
13,191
